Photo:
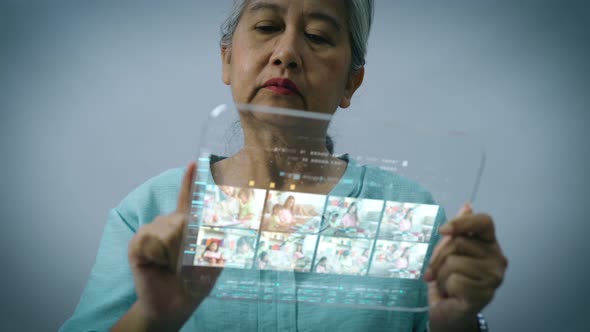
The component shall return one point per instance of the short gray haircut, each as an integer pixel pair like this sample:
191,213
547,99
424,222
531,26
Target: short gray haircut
360,17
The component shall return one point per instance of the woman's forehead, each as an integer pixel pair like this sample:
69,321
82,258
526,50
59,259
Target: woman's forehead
332,11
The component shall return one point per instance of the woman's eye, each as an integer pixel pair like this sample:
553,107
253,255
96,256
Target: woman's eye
267,28
316,39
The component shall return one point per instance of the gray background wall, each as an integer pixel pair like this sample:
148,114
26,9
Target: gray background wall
98,96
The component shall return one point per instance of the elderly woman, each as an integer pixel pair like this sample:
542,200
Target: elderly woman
306,55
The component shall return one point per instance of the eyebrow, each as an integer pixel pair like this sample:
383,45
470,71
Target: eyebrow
262,5
318,15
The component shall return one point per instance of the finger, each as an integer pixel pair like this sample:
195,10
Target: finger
460,246
428,276
480,226
466,209
462,287
470,267
176,226
146,249
158,243
440,246
184,196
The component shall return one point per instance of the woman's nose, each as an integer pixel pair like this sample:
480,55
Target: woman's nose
286,53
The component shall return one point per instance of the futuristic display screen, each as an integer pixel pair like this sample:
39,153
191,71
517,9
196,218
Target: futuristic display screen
306,225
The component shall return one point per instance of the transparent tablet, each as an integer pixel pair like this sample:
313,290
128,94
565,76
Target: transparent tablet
279,216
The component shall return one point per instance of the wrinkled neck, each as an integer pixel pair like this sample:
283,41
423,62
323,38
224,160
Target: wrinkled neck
282,155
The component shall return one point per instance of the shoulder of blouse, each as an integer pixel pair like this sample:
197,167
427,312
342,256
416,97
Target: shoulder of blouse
154,197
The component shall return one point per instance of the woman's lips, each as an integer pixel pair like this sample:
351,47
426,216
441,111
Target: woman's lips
280,90
282,86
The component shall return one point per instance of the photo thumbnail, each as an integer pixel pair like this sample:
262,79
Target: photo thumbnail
285,251
225,247
352,217
293,212
408,222
226,206
398,259
342,255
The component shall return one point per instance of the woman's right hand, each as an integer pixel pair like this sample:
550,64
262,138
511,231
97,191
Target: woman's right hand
163,301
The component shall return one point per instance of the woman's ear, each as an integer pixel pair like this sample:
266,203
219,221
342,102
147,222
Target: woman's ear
354,81
226,65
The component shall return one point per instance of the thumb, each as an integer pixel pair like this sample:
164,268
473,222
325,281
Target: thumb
465,211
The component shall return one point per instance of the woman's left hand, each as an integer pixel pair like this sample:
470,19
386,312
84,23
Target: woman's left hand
466,268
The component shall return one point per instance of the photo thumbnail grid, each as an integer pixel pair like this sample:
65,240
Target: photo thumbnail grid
263,229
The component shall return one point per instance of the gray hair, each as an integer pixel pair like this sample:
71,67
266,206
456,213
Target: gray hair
360,17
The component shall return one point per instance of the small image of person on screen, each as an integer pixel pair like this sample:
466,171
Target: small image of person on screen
275,218
298,252
347,263
242,256
212,255
405,225
350,218
222,209
300,261
395,212
263,262
227,191
246,212
287,212
292,212
403,261
392,254
334,221
321,266
290,204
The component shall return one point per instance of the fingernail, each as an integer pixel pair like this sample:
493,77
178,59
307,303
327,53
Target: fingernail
427,275
469,207
466,209
463,209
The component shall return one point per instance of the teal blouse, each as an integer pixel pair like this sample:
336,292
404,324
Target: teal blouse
110,292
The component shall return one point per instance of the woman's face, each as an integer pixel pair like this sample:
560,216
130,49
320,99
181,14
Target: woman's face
229,191
290,202
213,246
292,54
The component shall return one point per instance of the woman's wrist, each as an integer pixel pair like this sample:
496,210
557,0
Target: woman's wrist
471,324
